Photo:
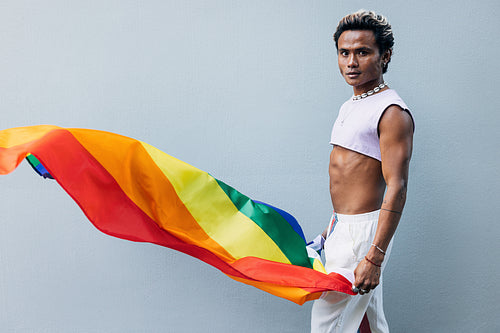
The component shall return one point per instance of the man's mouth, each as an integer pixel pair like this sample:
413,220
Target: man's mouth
352,74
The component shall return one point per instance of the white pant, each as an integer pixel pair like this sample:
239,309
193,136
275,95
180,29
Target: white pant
345,247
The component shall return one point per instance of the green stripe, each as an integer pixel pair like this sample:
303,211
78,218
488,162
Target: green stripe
273,224
32,160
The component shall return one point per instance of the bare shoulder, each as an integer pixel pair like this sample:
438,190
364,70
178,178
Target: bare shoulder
396,121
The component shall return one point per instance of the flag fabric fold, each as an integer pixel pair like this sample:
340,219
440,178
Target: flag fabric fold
131,190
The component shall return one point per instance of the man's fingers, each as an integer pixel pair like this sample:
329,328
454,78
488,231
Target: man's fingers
360,290
364,288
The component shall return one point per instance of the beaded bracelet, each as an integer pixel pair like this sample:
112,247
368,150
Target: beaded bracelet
371,262
378,248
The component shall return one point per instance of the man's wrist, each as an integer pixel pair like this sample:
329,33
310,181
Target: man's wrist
375,256
373,263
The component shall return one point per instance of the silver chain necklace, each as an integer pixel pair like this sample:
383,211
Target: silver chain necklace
370,92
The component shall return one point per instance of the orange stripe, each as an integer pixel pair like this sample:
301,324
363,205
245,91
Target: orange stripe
294,294
9,161
144,183
20,135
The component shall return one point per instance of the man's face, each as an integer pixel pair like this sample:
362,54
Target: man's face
360,61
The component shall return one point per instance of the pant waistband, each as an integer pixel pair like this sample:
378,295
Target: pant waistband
358,218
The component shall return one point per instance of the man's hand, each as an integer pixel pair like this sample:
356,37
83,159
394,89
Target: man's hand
367,274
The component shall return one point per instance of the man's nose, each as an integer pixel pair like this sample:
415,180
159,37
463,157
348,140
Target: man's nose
352,61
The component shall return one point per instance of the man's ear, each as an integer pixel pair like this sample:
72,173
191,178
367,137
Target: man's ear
386,57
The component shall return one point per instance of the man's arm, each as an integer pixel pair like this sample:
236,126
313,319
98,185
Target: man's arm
396,142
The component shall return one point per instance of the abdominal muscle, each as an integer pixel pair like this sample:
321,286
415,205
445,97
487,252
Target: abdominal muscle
356,182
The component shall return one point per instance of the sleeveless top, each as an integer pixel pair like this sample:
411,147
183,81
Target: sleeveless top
356,127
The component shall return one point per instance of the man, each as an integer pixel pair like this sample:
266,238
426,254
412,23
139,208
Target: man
372,144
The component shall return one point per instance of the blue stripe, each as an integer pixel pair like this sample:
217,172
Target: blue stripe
38,167
289,218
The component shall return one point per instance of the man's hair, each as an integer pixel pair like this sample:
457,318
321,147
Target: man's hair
368,20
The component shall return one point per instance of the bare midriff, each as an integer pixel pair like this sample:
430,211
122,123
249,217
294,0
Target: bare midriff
356,182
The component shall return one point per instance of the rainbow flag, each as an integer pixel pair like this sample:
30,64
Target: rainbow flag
131,190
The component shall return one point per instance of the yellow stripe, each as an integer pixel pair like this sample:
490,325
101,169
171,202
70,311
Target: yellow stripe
318,266
214,211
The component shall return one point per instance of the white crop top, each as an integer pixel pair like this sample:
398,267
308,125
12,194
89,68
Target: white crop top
356,127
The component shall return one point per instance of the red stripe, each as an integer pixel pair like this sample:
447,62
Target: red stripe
291,275
102,200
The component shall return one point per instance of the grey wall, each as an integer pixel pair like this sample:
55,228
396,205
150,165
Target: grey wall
248,91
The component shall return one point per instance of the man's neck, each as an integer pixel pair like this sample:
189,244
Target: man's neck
363,93
365,87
